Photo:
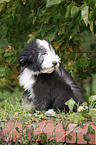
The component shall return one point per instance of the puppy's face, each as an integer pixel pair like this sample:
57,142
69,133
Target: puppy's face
39,56
47,56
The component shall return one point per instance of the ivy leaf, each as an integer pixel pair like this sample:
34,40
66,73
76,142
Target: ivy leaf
2,1
34,125
6,134
53,30
43,138
81,123
86,115
3,31
3,44
92,112
17,129
27,129
52,2
84,14
75,117
23,125
68,10
91,130
92,99
69,136
2,125
52,36
91,26
74,11
64,124
86,138
70,103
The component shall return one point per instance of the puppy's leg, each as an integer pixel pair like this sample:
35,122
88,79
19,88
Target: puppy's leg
27,99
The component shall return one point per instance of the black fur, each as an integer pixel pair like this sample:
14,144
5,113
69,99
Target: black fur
29,56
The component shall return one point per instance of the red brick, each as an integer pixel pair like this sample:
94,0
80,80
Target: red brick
40,129
95,135
49,129
92,136
16,134
59,133
81,131
72,130
29,131
8,128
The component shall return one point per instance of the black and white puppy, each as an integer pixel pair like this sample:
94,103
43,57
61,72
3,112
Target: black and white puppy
46,83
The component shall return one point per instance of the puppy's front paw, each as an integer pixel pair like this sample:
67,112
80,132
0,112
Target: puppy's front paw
50,112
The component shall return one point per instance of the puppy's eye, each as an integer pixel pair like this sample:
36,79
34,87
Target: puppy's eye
42,54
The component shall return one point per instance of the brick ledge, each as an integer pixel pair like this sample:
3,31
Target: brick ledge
53,130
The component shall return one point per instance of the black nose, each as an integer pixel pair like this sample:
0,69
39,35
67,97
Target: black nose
54,63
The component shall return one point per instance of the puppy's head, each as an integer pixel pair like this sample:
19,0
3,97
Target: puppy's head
39,56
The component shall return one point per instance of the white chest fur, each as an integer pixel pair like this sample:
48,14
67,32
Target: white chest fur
26,79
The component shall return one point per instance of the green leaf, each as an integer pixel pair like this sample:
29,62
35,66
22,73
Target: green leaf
3,31
17,129
74,11
92,99
34,125
92,112
91,130
64,124
81,123
70,103
2,6
69,136
2,1
86,115
43,138
6,134
23,125
84,13
52,2
91,26
3,71
2,125
68,11
3,45
52,36
84,104
91,15
75,117
9,53
86,138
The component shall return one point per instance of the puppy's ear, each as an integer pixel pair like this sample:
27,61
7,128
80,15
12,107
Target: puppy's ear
22,60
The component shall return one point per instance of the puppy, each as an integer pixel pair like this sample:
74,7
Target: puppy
46,83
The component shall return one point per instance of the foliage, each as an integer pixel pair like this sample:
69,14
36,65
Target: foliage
69,25
90,131
16,111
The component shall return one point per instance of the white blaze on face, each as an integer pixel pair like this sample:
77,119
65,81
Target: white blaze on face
49,57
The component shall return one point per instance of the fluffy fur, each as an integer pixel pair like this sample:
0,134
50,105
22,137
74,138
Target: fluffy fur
46,83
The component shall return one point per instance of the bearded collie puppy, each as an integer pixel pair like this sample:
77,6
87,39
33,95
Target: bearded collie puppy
46,83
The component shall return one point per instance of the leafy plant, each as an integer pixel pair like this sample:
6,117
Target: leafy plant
69,25
20,112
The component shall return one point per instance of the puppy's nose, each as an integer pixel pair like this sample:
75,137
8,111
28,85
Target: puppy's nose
54,63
